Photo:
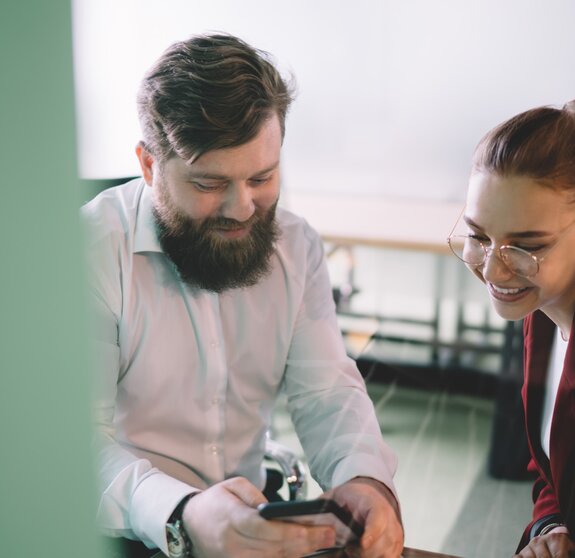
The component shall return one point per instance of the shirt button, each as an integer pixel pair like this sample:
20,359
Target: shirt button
215,400
214,344
215,450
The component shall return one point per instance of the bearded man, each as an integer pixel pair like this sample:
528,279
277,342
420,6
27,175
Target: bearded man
208,300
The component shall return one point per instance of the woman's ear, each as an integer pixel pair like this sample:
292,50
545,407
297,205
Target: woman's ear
146,162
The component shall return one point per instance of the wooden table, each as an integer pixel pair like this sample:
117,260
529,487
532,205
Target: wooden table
414,553
407,553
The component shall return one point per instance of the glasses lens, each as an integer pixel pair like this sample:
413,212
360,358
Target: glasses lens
467,249
519,261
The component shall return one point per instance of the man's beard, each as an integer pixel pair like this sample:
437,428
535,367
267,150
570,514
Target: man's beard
205,260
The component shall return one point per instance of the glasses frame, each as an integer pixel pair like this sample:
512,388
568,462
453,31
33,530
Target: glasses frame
499,250
488,251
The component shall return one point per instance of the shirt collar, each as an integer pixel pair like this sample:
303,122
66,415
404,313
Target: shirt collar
145,237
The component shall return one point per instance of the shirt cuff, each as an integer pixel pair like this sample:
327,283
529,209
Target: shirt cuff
366,466
153,501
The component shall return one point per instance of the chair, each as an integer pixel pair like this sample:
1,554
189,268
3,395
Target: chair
291,468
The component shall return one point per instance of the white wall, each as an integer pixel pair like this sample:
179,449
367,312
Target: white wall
393,94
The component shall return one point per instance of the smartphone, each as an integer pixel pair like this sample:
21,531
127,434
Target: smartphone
321,511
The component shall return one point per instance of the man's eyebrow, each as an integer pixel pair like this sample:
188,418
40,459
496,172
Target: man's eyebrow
267,169
206,176
215,176
521,234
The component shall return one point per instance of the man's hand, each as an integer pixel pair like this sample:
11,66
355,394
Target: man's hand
372,504
552,545
222,522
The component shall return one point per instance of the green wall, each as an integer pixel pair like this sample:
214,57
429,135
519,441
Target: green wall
47,503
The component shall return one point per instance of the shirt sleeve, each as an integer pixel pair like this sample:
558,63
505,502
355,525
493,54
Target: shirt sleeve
135,499
331,410
545,503
544,499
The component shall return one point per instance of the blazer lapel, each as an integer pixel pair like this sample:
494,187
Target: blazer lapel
563,438
539,331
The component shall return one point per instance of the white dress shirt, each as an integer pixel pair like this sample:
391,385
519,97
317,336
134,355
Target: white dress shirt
554,373
187,379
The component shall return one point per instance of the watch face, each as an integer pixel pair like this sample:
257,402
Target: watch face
176,542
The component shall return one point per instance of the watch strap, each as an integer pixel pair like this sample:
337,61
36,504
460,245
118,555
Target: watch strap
179,510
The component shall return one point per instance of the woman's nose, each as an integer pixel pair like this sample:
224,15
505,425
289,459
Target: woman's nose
494,268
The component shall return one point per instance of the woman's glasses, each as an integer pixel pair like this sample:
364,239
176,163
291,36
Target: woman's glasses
474,253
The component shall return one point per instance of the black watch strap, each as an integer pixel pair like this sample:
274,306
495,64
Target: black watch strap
177,513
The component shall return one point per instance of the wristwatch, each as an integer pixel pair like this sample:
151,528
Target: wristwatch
544,524
179,543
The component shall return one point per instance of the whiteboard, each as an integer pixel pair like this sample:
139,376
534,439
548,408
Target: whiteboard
393,95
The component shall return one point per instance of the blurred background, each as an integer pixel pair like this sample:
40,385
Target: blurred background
393,95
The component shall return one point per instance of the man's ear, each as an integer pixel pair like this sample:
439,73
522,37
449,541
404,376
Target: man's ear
146,162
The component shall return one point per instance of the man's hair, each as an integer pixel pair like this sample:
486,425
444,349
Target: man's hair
538,143
209,92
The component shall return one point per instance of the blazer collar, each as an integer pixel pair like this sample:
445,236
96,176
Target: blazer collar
539,331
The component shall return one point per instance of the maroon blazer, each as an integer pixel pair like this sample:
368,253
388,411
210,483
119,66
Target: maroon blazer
554,487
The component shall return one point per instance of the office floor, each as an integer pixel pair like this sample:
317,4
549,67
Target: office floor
449,503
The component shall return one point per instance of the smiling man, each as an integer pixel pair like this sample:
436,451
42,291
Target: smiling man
208,300
216,216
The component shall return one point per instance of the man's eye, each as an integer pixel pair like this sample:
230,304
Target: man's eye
207,187
260,180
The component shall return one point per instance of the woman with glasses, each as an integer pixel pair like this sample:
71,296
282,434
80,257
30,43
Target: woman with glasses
517,235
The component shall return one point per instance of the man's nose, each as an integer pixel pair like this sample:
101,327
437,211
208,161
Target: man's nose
494,268
239,203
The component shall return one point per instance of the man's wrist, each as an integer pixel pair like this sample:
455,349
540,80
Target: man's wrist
179,542
383,489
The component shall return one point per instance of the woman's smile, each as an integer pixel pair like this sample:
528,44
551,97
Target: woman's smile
508,294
